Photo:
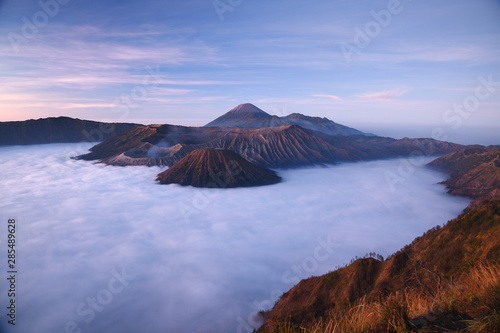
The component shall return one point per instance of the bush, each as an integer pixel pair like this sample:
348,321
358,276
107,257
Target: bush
394,314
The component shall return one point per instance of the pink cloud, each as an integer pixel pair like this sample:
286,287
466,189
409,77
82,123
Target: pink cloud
336,98
386,95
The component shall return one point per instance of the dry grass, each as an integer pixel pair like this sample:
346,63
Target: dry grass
358,318
472,304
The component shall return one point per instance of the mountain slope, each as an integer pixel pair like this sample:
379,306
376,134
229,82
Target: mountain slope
291,141
272,147
418,146
324,125
412,289
421,271
281,147
287,146
248,115
151,145
473,172
217,168
58,130
244,115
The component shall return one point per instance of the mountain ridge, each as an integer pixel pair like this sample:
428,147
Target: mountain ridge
291,141
248,115
269,147
474,172
59,130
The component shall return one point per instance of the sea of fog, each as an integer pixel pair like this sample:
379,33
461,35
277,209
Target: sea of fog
106,249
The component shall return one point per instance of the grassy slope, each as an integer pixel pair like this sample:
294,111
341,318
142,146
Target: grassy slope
446,280
427,283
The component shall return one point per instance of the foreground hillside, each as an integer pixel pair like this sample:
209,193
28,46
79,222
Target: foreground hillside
448,280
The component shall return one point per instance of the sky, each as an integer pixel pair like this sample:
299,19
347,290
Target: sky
397,68
168,258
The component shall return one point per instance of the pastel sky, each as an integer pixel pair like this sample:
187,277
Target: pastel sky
390,67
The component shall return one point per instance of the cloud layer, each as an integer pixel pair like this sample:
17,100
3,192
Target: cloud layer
108,249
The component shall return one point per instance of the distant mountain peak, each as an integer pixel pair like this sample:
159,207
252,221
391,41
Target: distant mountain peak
244,115
248,108
248,115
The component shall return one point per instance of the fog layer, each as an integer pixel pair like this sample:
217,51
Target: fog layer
106,249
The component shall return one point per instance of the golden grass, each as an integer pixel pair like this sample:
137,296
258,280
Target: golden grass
476,295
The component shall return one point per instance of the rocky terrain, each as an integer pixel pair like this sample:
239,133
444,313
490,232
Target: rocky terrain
217,168
267,141
248,115
58,130
272,147
473,172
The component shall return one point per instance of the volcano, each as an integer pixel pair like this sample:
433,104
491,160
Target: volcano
248,115
245,115
217,168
